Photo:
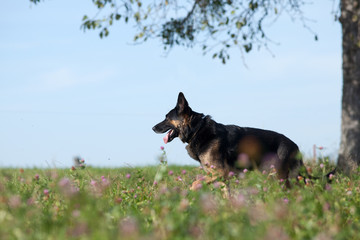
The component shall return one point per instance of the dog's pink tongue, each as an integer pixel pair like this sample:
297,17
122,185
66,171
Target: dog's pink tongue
166,138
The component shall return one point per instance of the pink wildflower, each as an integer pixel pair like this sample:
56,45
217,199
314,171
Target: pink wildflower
46,192
128,175
75,213
129,228
30,201
64,182
93,182
171,173
183,172
231,174
155,183
286,200
321,165
245,170
331,176
217,184
162,148
36,177
197,186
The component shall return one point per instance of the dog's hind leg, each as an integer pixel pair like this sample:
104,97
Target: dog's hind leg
225,187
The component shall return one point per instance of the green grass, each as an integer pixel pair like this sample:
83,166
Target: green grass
125,203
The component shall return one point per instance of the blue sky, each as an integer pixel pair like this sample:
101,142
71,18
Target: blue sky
65,93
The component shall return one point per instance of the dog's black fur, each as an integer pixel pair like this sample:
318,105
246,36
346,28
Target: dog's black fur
222,149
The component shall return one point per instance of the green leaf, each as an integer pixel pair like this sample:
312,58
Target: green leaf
117,16
248,47
239,24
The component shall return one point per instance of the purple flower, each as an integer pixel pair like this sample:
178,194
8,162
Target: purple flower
171,173
128,175
93,182
36,177
321,165
286,200
331,176
212,167
46,192
245,170
183,172
155,183
162,148
231,174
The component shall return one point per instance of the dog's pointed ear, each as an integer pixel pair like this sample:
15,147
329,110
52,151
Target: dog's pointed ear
182,105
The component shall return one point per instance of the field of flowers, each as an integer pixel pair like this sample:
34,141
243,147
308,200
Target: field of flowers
155,203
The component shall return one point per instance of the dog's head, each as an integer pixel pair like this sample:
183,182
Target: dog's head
177,121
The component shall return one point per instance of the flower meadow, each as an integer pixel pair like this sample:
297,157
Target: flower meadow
155,203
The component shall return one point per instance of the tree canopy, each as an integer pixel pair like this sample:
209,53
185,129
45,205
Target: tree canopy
214,25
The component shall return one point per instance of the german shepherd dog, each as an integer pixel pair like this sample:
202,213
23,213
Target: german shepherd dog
222,149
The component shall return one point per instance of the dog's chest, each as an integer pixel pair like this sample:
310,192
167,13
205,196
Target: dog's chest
192,153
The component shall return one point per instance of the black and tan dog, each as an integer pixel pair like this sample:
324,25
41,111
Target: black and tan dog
222,149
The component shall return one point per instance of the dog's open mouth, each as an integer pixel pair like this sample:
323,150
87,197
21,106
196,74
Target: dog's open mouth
170,135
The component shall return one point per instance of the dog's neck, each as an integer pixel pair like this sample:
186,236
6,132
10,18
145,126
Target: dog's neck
198,121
